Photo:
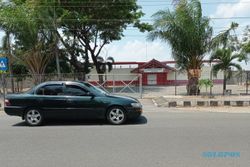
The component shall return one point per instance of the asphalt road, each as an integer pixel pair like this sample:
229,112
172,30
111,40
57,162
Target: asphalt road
157,139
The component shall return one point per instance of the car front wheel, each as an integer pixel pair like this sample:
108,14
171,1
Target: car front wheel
33,117
116,115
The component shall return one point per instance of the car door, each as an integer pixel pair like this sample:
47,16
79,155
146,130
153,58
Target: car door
53,102
83,102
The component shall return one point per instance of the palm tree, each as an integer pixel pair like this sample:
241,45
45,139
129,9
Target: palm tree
245,44
226,59
188,33
105,66
227,50
205,83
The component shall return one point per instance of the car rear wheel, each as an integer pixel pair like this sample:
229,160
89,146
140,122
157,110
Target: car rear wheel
116,115
33,117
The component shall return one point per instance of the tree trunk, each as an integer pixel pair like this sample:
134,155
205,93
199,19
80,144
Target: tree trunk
98,69
192,86
193,80
12,79
224,83
101,80
10,63
81,76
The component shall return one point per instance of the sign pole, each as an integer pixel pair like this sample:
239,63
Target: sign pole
3,69
3,86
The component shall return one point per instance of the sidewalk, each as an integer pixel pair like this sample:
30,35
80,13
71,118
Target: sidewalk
199,101
148,106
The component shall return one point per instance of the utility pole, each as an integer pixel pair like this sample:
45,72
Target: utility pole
10,61
247,78
56,47
211,78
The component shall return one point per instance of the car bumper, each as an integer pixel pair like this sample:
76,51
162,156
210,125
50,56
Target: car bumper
134,112
14,110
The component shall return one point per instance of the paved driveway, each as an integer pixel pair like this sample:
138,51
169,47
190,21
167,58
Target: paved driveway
158,139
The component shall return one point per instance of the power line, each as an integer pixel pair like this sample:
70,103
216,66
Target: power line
126,4
124,20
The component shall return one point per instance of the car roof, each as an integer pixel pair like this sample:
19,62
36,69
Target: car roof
61,82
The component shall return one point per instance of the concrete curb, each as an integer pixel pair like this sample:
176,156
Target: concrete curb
161,102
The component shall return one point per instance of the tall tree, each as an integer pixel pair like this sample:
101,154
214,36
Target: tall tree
227,52
7,49
245,44
227,60
188,33
32,44
92,25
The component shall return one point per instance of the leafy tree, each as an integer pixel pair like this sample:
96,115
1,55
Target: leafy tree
245,44
33,46
188,33
7,49
225,39
227,51
64,66
226,59
80,28
92,25
205,83
20,72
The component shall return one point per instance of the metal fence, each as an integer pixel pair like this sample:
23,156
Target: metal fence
124,84
121,84
132,84
238,84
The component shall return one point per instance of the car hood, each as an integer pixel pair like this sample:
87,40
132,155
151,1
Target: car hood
123,97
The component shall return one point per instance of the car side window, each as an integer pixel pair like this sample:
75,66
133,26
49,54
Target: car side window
73,90
52,90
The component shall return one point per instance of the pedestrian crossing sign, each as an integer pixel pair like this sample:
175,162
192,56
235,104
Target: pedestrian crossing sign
3,64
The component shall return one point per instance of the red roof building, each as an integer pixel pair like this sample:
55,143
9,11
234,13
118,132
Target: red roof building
153,72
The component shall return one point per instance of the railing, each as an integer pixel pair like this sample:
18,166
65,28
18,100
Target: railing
126,84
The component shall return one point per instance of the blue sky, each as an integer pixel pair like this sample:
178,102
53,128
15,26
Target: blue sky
135,47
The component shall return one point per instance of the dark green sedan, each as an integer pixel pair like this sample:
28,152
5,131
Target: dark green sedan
71,100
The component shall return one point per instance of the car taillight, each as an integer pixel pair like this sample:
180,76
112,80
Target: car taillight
7,102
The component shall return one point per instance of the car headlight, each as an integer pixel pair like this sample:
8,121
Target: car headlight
136,105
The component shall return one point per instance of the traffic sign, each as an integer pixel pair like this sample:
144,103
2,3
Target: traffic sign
3,63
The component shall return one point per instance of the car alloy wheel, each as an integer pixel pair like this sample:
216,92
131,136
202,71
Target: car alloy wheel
116,115
33,117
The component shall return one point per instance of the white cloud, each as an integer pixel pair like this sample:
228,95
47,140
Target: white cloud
137,50
231,10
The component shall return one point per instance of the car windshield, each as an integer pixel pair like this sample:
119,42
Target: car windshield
95,89
30,91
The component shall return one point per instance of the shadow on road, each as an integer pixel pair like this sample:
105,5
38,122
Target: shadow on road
139,121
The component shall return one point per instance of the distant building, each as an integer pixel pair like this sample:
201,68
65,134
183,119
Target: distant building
153,72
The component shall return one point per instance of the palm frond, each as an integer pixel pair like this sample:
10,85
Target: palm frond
216,68
100,59
237,66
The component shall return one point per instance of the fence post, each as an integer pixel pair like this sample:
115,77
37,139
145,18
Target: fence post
3,85
247,78
140,76
87,78
211,78
175,84
113,78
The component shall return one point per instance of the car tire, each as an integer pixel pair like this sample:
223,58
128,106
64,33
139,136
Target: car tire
116,115
33,117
